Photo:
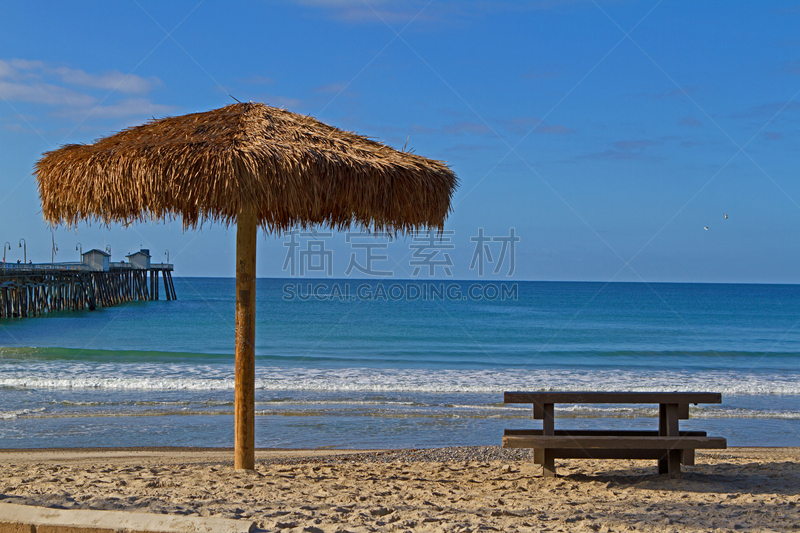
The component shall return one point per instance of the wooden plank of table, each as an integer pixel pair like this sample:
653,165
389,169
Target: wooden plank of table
594,453
612,397
622,443
602,432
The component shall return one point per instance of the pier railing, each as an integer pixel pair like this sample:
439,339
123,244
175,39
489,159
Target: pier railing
22,268
17,268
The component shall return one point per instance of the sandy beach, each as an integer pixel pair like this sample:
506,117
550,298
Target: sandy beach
449,489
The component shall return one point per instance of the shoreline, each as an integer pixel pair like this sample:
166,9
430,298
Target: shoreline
431,489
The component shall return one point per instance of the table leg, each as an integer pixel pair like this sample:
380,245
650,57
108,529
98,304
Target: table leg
549,463
549,426
668,426
672,419
674,464
548,419
663,464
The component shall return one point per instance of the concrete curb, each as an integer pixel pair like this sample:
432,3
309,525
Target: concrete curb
15,518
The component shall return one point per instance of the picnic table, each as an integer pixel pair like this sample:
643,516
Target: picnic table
669,445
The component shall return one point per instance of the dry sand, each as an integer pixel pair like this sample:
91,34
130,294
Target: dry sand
467,489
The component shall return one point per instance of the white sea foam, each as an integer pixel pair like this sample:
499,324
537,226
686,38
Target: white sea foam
116,376
18,413
777,414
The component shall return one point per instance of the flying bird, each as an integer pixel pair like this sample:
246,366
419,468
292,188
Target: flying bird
726,216
705,227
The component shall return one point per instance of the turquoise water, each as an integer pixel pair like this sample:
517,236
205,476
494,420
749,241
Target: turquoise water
355,364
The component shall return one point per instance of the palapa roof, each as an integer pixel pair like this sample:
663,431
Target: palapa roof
295,170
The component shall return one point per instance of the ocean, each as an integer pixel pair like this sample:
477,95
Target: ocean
401,364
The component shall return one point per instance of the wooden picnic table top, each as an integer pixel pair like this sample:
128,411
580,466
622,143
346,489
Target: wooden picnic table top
612,397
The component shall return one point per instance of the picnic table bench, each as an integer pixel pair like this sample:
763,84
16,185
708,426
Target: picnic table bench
670,446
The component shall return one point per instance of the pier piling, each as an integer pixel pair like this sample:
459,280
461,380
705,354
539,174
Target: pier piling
28,290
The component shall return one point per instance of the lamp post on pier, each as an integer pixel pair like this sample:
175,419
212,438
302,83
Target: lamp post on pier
24,246
6,244
166,252
79,249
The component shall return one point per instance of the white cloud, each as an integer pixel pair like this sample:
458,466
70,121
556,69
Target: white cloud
76,93
331,87
44,93
27,64
554,129
636,144
131,107
536,74
469,127
21,69
359,11
526,125
441,12
690,122
17,127
766,110
17,68
113,81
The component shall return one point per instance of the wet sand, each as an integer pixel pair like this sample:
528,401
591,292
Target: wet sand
449,489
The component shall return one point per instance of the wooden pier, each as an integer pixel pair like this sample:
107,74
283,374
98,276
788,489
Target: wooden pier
28,290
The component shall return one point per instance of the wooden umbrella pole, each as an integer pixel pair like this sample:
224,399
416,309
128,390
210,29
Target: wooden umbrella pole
246,233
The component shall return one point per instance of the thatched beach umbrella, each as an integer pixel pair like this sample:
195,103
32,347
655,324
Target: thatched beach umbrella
252,165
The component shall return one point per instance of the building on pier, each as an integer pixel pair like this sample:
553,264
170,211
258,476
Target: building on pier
140,259
97,260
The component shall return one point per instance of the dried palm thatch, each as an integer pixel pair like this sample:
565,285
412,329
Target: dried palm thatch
252,165
294,170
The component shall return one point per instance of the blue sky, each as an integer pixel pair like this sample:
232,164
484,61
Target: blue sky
607,134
